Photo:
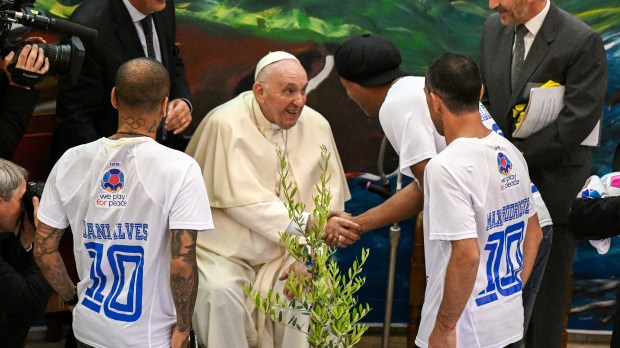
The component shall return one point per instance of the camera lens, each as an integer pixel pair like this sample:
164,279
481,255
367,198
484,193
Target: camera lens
59,56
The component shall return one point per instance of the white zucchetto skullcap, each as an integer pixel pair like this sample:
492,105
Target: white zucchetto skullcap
271,58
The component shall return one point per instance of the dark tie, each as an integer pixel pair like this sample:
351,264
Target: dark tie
518,55
147,25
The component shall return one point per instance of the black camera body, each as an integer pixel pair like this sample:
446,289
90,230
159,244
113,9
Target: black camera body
33,189
65,58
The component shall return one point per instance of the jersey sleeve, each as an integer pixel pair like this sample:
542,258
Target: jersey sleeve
191,209
535,202
409,130
417,140
51,211
451,212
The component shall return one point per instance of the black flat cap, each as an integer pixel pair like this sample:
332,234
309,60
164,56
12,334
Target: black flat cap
369,60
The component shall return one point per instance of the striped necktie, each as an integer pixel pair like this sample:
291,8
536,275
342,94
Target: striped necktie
518,55
147,25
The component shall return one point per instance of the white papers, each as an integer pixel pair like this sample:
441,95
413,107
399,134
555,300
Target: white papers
594,138
543,108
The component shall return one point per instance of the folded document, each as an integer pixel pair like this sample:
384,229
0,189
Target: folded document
542,109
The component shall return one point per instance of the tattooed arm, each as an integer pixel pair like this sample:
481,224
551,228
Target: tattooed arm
183,283
48,258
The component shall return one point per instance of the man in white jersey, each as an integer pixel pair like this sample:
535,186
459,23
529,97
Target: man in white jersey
235,146
135,208
480,226
523,45
369,69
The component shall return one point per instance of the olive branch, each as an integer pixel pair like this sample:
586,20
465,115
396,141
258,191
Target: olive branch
327,297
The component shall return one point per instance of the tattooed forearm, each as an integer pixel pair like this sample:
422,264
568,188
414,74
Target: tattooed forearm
51,264
184,245
183,276
184,291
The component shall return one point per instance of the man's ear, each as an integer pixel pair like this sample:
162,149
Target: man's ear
164,106
481,91
436,101
259,92
113,98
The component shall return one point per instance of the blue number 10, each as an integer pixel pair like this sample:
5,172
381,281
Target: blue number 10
124,301
503,246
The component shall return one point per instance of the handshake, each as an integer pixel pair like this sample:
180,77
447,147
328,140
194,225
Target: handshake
342,230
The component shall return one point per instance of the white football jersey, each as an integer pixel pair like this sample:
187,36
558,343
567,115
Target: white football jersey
121,199
478,188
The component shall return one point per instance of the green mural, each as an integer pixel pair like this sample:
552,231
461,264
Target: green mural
420,28
221,41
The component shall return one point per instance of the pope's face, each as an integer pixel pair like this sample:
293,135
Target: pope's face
149,6
512,12
283,95
11,209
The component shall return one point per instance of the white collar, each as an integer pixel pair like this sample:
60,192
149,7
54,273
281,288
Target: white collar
534,24
262,122
136,16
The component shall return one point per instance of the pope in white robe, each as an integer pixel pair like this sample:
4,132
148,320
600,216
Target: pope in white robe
235,145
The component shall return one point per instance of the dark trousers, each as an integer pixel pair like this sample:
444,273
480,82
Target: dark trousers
13,330
615,335
547,319
531,288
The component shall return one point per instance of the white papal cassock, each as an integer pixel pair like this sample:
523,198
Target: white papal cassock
235,145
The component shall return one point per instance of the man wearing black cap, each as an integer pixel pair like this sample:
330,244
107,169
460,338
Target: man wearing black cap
369,69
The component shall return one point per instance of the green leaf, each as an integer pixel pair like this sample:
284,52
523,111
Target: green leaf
326,298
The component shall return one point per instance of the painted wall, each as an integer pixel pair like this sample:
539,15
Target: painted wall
221,41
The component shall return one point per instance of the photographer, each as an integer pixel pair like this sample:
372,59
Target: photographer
17,95
24,292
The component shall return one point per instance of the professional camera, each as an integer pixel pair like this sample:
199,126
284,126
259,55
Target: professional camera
33,189
66,58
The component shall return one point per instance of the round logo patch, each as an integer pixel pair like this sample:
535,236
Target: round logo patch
503,164
113,180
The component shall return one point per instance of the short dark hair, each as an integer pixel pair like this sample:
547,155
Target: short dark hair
142,83
456,79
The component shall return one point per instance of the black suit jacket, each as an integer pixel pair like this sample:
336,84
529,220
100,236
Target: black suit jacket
566,51
16,107
84,111
597,218
24,292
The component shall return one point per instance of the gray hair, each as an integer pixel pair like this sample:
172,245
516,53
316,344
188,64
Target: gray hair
11,177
